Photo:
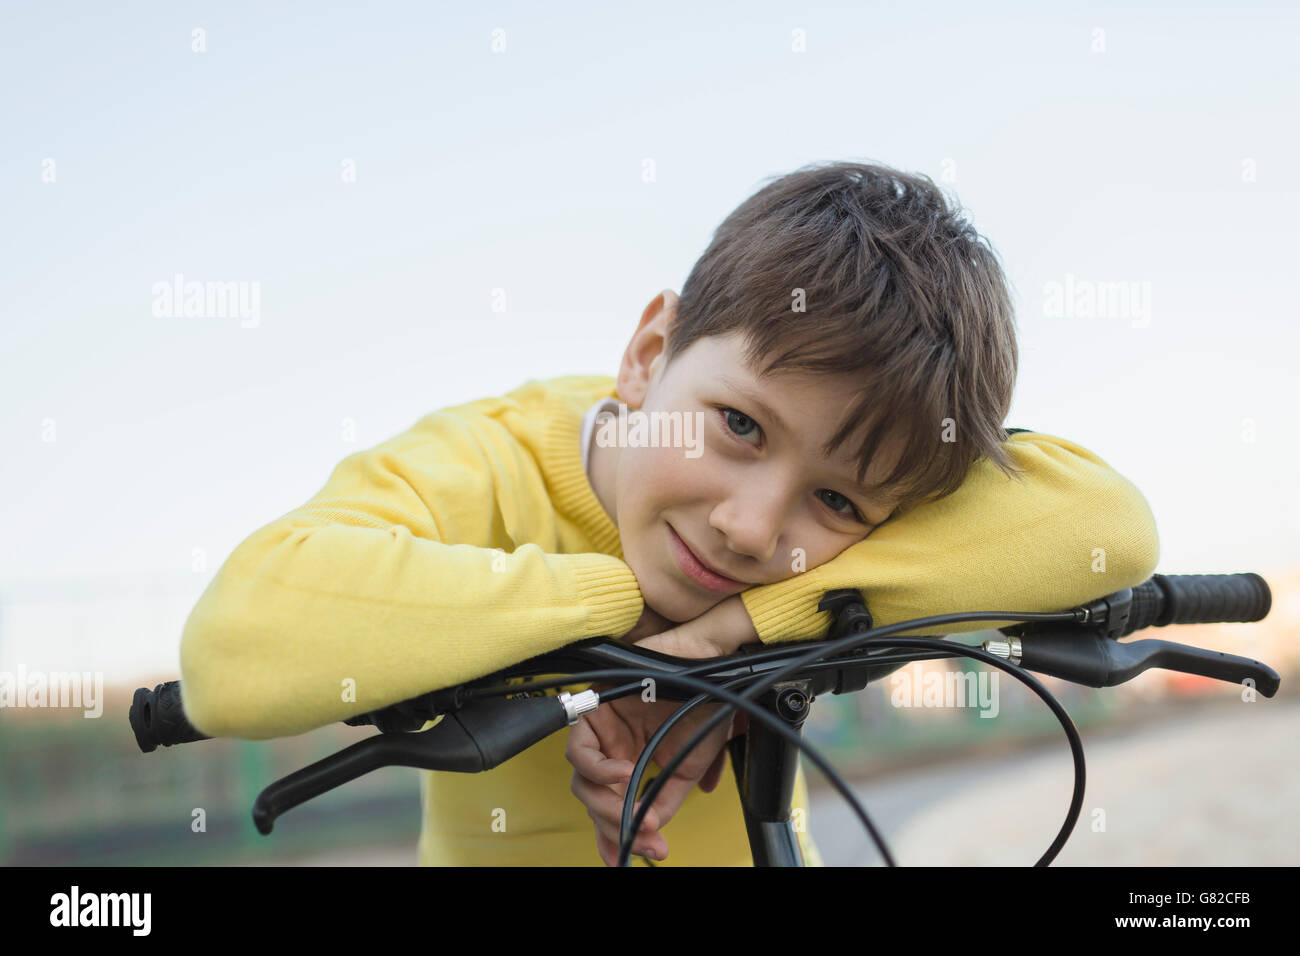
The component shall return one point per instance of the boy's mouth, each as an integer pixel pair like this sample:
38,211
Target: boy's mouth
697,571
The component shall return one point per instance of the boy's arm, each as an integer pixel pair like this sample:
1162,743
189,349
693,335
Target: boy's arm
357,589
1071,530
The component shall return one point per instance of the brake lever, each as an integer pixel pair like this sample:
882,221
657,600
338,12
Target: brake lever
477,737
1095,660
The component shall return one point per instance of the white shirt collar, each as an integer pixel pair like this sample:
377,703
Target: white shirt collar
589,428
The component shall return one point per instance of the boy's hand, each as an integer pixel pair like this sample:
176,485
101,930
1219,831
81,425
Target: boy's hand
605,744
717,632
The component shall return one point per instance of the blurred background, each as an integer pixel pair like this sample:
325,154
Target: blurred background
418,207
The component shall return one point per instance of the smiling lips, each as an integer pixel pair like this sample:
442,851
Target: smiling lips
696,570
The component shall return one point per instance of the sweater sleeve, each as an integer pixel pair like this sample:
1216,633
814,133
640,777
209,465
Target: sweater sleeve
363,596
1069,530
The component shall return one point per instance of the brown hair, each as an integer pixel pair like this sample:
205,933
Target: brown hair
899,291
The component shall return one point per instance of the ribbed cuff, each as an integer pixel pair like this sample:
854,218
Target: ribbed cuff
787,610
609,591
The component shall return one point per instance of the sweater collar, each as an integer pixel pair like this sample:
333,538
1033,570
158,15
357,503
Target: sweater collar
566,478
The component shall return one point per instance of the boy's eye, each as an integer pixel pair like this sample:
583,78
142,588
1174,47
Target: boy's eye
747,426
745,420
852,511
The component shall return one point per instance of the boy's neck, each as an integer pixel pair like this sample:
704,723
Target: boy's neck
602,469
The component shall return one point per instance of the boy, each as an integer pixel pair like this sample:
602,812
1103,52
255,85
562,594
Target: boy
841,301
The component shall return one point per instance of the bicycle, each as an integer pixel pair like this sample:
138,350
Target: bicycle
481,723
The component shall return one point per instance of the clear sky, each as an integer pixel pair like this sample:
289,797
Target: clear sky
1154,144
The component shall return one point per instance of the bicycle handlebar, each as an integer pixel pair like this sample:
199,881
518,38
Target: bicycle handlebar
484,725
1096,659
158,718
1165,599
1069,650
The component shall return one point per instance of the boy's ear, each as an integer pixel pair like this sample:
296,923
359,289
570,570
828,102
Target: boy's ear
644,356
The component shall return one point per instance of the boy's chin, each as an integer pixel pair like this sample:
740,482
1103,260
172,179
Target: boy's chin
675,607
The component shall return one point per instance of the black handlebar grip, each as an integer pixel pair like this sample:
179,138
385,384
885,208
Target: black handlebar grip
158,718
1212,598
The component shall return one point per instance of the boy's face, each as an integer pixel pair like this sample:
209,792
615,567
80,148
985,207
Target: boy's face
754,499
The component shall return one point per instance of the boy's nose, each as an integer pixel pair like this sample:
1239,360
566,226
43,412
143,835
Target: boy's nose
750,533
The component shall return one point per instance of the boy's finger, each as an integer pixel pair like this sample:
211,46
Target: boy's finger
713,775
606,810
598,768
603,770
608,852
652,845
645,843
583,750
608,849
670,799
604,804
680,642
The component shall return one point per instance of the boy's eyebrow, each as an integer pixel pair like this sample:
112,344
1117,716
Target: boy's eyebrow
751,396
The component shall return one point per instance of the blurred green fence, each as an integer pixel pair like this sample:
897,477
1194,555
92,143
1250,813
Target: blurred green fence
79,792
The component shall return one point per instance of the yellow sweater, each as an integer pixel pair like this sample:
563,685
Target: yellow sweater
474,540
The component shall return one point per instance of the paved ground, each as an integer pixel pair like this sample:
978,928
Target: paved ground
1219,788
1212,790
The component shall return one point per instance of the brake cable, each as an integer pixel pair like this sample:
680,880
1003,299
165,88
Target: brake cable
875,635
